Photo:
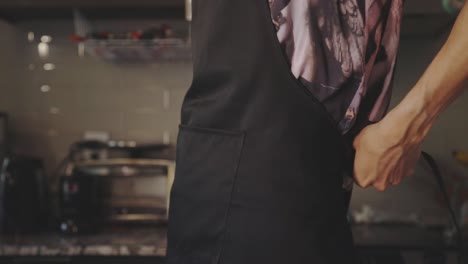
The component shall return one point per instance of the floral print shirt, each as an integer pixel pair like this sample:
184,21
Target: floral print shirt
343,52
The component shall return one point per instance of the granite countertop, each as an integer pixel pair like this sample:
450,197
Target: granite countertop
151,241
403,237
122,241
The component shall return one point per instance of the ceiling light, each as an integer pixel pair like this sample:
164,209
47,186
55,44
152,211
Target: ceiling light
43,49
46,39
49,67
45,88
54,110
30,36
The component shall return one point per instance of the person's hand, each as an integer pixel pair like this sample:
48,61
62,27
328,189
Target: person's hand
384,155
387,151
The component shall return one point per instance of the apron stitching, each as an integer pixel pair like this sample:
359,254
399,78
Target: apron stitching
226,221
210,131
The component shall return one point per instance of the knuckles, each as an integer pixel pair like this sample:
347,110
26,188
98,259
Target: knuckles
380,187
363,183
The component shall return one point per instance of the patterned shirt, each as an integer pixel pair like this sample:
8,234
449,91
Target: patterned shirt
343,52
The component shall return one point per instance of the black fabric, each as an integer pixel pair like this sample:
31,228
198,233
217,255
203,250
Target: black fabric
260,162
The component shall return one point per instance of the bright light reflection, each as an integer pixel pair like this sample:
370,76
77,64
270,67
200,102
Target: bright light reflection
30,36
45,88
81,49
43,49
46,39
49,66
54,110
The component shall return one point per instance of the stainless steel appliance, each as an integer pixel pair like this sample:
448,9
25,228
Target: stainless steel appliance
23,189
114,184
3,135
23,195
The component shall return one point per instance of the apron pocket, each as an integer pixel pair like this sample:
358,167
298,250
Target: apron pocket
206,169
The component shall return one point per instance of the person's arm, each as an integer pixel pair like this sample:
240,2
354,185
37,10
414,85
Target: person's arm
388,151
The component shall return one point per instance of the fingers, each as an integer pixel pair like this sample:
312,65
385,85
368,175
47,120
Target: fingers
367,175
381,186
393,178
386,173
362,171
363,182
414,162
381,163
397,174
410,164
362,174
396,181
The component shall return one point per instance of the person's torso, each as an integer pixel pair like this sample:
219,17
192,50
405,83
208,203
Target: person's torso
260,161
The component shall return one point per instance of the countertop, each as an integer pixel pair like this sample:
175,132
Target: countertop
120,241
151,241
403,237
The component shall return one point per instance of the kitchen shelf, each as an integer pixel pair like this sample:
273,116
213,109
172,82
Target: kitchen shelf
150,45
15,15
130,50
90,3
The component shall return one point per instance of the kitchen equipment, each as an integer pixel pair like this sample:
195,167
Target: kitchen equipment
461,157
455,232
188,10
23,195
452,6
3,135
89,150
3,167
124,187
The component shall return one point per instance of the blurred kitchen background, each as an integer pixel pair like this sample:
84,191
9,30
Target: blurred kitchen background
90,97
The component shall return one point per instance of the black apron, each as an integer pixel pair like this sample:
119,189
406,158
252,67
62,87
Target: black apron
260,162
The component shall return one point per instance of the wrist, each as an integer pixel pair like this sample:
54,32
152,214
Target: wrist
410,121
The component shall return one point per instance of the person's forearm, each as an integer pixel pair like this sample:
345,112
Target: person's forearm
441,83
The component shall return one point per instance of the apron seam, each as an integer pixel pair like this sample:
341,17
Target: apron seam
210,131
226,221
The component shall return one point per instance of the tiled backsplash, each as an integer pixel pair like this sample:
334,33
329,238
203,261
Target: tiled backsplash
52,108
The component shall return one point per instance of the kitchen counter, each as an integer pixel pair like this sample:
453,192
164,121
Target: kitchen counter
150,242
123,241
403,237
